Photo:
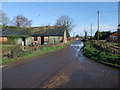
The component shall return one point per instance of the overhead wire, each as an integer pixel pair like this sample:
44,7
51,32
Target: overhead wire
45,9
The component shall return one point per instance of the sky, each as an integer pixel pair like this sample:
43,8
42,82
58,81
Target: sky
119,12
82,14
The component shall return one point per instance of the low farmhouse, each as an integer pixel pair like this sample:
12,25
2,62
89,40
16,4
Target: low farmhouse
115,36
35,35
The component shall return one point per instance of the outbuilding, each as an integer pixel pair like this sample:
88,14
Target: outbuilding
35,35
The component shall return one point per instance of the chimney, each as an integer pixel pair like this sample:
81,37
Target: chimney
65,37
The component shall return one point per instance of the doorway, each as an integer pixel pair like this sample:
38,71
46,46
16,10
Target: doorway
23,41
42,40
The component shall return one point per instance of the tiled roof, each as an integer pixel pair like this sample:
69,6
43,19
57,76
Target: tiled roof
116,33
35,31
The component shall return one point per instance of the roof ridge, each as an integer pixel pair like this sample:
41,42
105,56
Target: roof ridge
46,26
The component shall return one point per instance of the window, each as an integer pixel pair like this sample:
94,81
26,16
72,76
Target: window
115,37
35,38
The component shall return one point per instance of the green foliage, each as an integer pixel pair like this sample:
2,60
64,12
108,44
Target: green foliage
102,35
18,54
7,27
68,35
5,46
101,56
96,34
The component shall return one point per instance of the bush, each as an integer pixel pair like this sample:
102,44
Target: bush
16,52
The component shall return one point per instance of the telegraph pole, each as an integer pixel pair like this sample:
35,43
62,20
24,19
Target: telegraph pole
91,30
98,23
85,34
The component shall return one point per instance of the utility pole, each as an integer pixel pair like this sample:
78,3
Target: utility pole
91,30
118,32
98,23
85,34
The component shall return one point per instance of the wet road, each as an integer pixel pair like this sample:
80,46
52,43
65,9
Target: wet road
65,68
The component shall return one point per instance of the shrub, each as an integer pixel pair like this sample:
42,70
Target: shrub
16,52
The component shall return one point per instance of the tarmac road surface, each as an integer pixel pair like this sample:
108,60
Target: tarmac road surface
65,68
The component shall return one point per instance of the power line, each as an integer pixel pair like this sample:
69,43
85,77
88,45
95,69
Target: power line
45,9
87,17
93,14
109,11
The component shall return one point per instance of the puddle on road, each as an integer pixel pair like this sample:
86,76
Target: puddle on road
78,48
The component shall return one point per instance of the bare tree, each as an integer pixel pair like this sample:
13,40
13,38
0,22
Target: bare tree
65,21
4,20
21,21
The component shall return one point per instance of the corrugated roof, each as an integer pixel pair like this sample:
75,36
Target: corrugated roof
35,31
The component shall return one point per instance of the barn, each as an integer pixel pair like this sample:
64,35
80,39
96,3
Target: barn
26,36
114,36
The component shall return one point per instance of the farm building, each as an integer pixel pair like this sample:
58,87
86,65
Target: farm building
115,36
73,38
35,35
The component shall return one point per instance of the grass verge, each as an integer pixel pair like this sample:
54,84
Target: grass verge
101,56
37,53
5,45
